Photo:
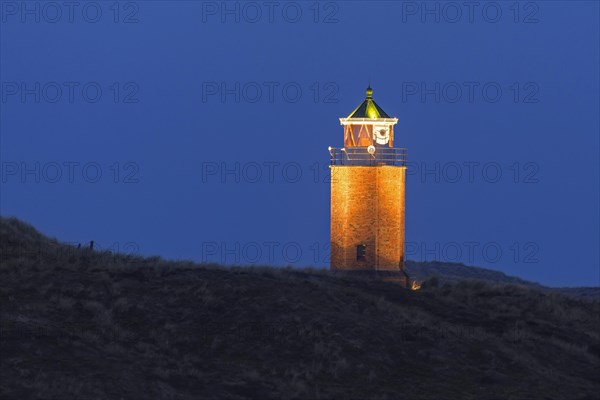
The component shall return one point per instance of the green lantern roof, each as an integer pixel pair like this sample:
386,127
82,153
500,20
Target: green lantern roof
368,108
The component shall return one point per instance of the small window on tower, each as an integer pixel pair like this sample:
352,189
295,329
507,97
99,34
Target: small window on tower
361,251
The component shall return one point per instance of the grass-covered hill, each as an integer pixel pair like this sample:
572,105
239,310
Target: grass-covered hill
77,324
457,272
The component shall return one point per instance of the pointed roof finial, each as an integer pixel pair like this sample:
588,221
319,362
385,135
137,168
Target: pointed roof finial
369,91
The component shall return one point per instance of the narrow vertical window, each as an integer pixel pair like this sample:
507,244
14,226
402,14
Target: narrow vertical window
361,251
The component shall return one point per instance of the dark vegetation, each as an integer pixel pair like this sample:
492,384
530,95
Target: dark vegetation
455,272
78,324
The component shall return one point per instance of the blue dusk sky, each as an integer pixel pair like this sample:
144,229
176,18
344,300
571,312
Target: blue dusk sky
199,130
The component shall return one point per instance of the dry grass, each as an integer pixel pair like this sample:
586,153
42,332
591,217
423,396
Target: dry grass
89,325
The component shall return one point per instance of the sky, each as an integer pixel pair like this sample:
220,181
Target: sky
199,130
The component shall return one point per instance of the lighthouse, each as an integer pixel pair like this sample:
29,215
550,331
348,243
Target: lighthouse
368,176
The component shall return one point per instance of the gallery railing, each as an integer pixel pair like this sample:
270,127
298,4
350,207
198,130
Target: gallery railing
368,156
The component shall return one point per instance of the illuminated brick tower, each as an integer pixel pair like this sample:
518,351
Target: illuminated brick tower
367,194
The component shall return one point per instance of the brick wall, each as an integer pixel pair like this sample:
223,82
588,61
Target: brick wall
367,207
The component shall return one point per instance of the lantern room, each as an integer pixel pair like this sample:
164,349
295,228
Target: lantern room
368,125
368,137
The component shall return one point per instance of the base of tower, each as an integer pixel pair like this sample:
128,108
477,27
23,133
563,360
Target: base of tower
396,276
